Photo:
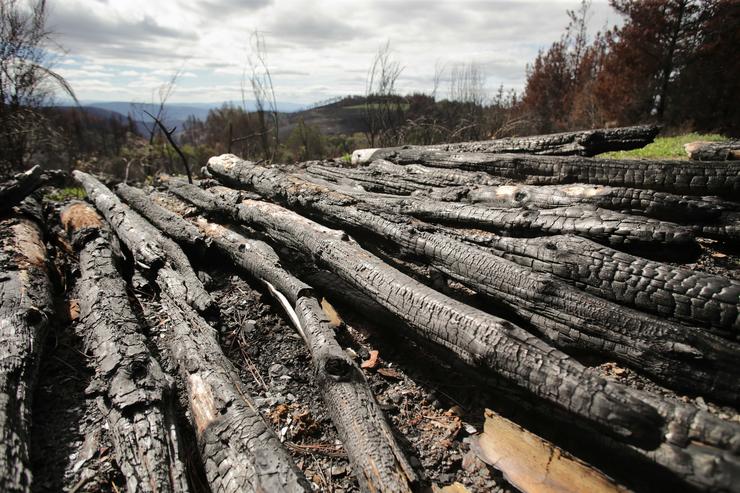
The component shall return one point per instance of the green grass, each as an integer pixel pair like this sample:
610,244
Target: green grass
67,193
664,147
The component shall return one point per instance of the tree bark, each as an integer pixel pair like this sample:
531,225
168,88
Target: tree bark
134,393
713,151
581,143
691,296
682,357
679,177
480,339
13,191
25,310
149,247
377,460
239,451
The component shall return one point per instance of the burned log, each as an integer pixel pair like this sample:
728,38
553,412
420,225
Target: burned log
679,177
713,151
682,357
692,296
580,143
135,395
25,310
150,248
239,451
13,191
377,460
478,338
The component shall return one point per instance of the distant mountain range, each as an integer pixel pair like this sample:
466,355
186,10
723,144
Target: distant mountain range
178,112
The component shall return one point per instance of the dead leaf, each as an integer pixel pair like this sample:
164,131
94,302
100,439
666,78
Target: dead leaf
74,309
534,465
718,255
334,319
390,373
372,361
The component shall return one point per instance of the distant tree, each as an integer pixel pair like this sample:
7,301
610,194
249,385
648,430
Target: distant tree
384,108
27,81
263,91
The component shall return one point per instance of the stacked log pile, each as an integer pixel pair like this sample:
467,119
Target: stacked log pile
536,259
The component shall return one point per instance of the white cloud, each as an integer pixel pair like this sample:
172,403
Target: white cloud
315,50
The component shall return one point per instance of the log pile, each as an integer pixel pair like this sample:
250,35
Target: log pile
522,264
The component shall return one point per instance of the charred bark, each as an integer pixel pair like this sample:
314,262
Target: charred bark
21,185
134,394
682,357
581,143
478,338
679,177
692,296
239,451
713,151
150,248
25,309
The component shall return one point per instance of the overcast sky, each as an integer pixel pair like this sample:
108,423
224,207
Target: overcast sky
120,50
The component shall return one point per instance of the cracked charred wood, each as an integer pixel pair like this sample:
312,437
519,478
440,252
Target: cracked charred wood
605,226
174,225
692,296
682,357
377,460
239,451
21,185
385,177
150,248
135,395
679,177
580,143
478,338
713,151
25,309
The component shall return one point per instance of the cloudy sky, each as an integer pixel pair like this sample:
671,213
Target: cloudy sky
123,50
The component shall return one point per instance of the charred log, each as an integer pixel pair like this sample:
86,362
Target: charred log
378,462
683,357
150,248
135,395
13,191
713,151
679,177
478,338
25,310
581,143
691,296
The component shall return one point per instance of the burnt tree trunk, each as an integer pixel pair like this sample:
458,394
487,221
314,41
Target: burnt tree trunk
713,151
150,248
679,177
478,338
377,460
692,296
580,143
134,394
25,309
13,191
683,357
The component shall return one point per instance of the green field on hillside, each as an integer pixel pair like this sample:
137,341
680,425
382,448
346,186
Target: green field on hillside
664,147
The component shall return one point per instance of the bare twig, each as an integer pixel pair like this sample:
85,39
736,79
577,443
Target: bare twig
168,134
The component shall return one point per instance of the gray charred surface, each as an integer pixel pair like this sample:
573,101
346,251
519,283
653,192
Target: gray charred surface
713,151
678,177
13,191
133,392
378,461
25,309
476,337
683,357
151,249
581,143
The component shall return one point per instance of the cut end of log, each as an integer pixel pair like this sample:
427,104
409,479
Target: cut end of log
363,156
78,216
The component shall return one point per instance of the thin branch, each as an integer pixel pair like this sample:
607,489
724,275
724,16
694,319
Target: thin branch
168,134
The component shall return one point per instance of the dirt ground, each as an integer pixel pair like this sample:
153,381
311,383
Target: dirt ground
433,405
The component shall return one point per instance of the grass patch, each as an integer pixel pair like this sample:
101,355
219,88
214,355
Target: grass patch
67,193
664,147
